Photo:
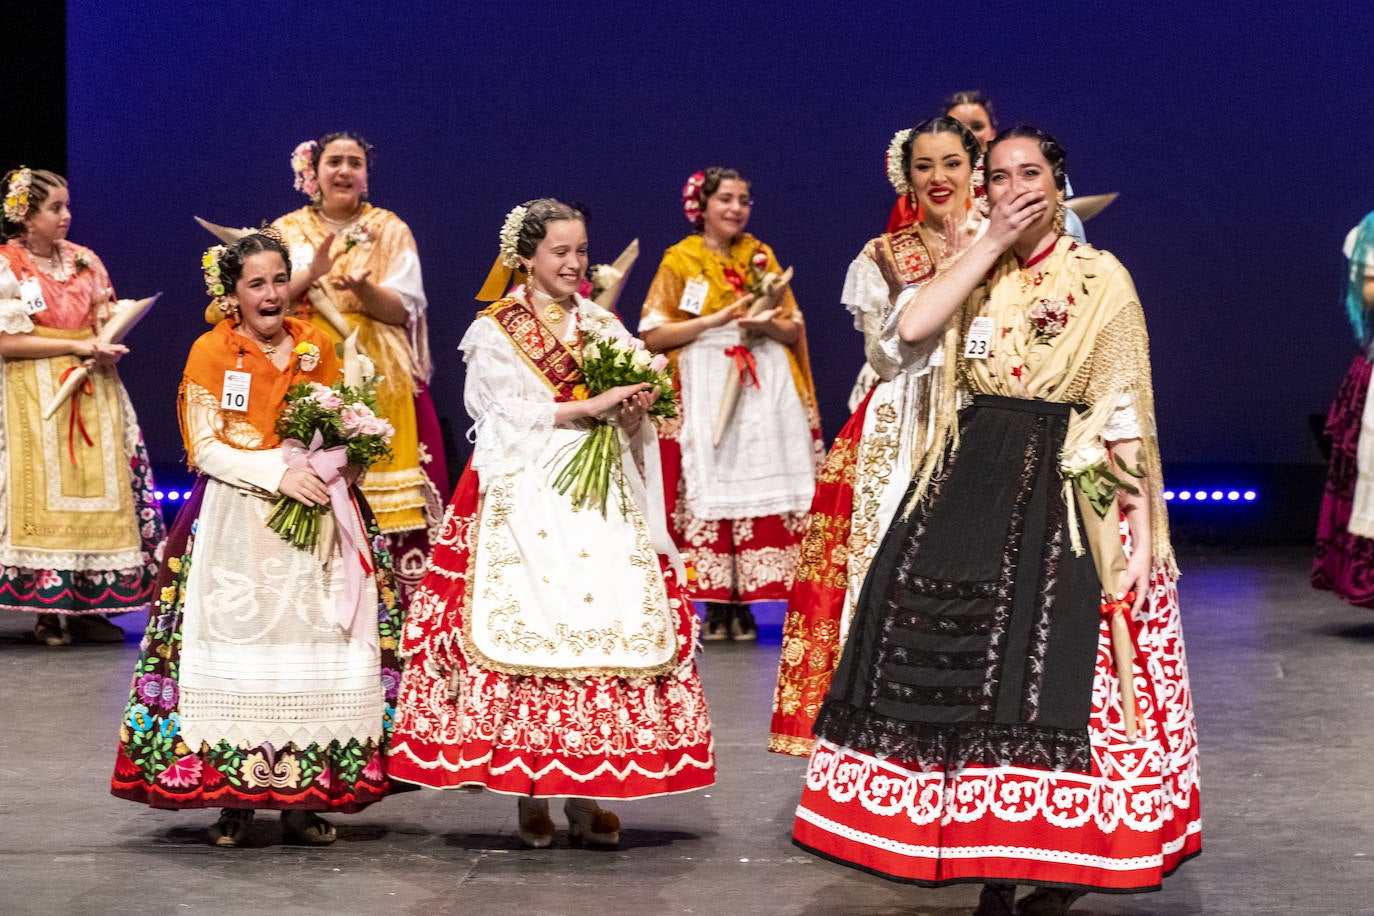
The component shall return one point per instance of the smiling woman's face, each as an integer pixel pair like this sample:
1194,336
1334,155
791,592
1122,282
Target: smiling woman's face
726,212
560,260
940,174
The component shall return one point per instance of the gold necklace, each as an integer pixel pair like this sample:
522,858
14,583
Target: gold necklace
268,349
55,266
553,312
340,223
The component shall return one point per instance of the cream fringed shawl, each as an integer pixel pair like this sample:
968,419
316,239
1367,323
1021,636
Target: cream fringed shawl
1100,358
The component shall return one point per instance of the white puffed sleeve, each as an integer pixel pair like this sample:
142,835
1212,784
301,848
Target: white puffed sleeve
14,318
403,278
512,408
1123,423
865,296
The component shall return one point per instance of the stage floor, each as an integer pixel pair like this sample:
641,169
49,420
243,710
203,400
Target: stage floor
1284,683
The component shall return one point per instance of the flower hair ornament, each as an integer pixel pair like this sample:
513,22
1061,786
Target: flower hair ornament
510,236
691,199
17,193
214,286
303,164
901,181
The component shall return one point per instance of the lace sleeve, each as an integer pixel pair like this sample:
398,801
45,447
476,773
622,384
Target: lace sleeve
865,291
257,469
14,318
1123,423
514,418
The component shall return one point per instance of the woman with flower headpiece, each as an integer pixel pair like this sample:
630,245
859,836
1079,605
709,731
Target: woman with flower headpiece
355,266
81,529
550,644
872,459
1012,703
267,672
1344,561
737,505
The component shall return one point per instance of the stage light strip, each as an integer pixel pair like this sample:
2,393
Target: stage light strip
1212,496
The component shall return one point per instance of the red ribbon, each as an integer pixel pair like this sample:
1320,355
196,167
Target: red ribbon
1109,610
744,363
76,422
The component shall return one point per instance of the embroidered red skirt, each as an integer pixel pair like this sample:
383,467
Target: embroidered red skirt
811,634
737,560
458,724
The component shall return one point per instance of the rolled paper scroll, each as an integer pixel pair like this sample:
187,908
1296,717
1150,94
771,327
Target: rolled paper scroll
773,286
1122,654
128,314
612,276
1090,206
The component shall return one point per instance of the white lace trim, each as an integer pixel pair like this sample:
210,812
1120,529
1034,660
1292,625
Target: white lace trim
1124,422
14,318
281,719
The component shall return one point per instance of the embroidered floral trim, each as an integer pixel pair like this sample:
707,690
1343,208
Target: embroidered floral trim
1049,317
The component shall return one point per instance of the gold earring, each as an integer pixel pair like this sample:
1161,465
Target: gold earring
1058,226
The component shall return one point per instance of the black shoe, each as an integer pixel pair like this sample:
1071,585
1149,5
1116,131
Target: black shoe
742,626
1048,901
717,625
997,900
232,827
94,628
48,631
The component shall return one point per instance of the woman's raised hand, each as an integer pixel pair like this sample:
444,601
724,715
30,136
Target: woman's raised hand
958,237
882,256
352,282
1015,213
323,260
733,311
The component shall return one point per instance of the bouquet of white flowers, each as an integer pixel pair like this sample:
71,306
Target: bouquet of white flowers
609,361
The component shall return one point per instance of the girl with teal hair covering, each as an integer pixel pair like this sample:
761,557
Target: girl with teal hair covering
1359,279
1344,560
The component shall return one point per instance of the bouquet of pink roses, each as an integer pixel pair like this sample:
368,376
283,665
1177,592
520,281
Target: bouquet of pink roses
341,426
610,359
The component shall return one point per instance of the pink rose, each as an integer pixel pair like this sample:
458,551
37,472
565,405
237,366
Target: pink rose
356,418
326,397
760,260
659,362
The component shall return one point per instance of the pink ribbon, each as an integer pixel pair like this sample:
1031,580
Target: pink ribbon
349,611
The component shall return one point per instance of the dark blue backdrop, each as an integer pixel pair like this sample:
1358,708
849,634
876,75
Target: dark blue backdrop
1238,136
